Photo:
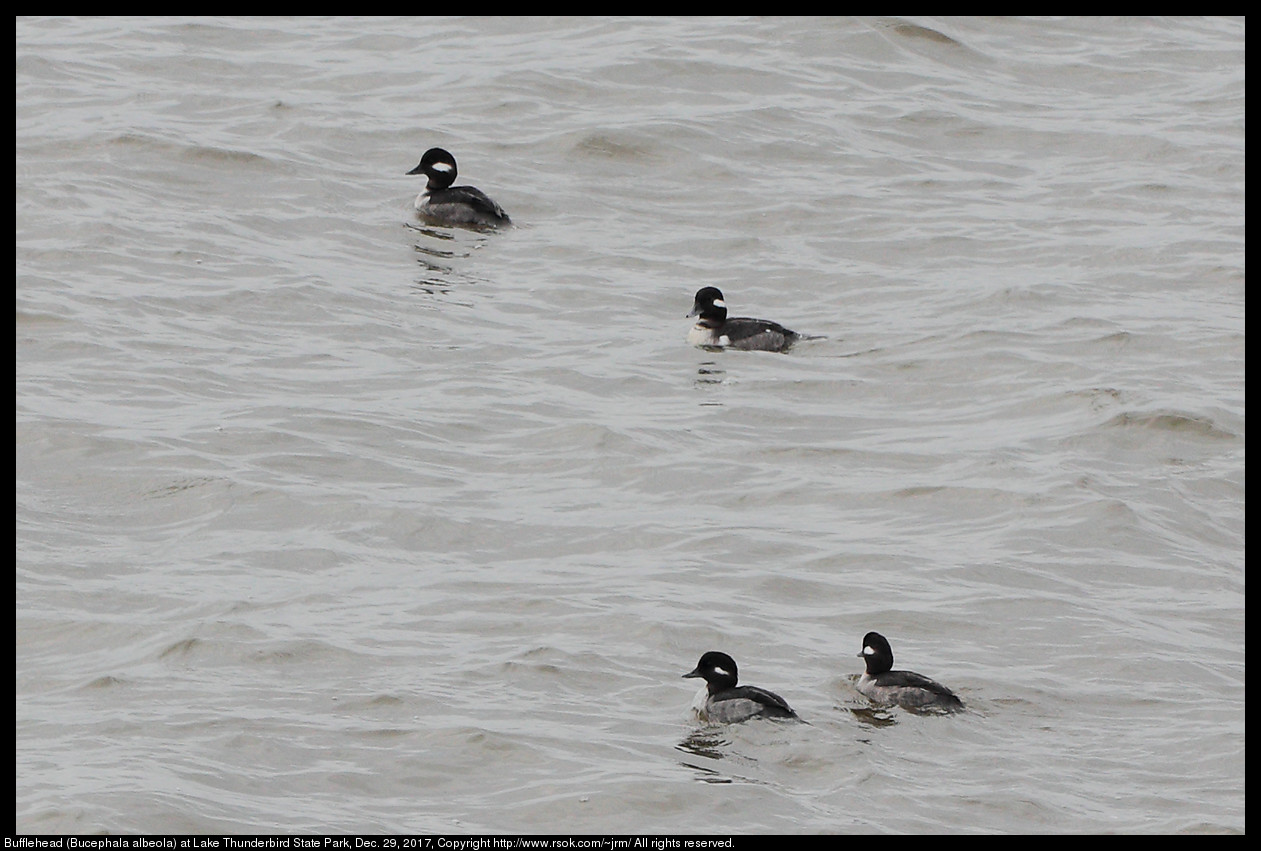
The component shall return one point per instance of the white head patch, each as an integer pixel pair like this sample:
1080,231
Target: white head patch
718,303
868,651
442,167
719,670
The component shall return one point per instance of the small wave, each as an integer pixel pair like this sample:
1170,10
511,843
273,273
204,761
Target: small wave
1171,421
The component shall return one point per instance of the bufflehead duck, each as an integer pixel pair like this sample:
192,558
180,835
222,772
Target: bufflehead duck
908,690
444,204
722,701
714,329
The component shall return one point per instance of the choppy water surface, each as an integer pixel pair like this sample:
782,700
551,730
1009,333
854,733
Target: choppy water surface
329,521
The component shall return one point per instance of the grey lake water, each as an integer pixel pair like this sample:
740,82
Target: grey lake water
332,521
